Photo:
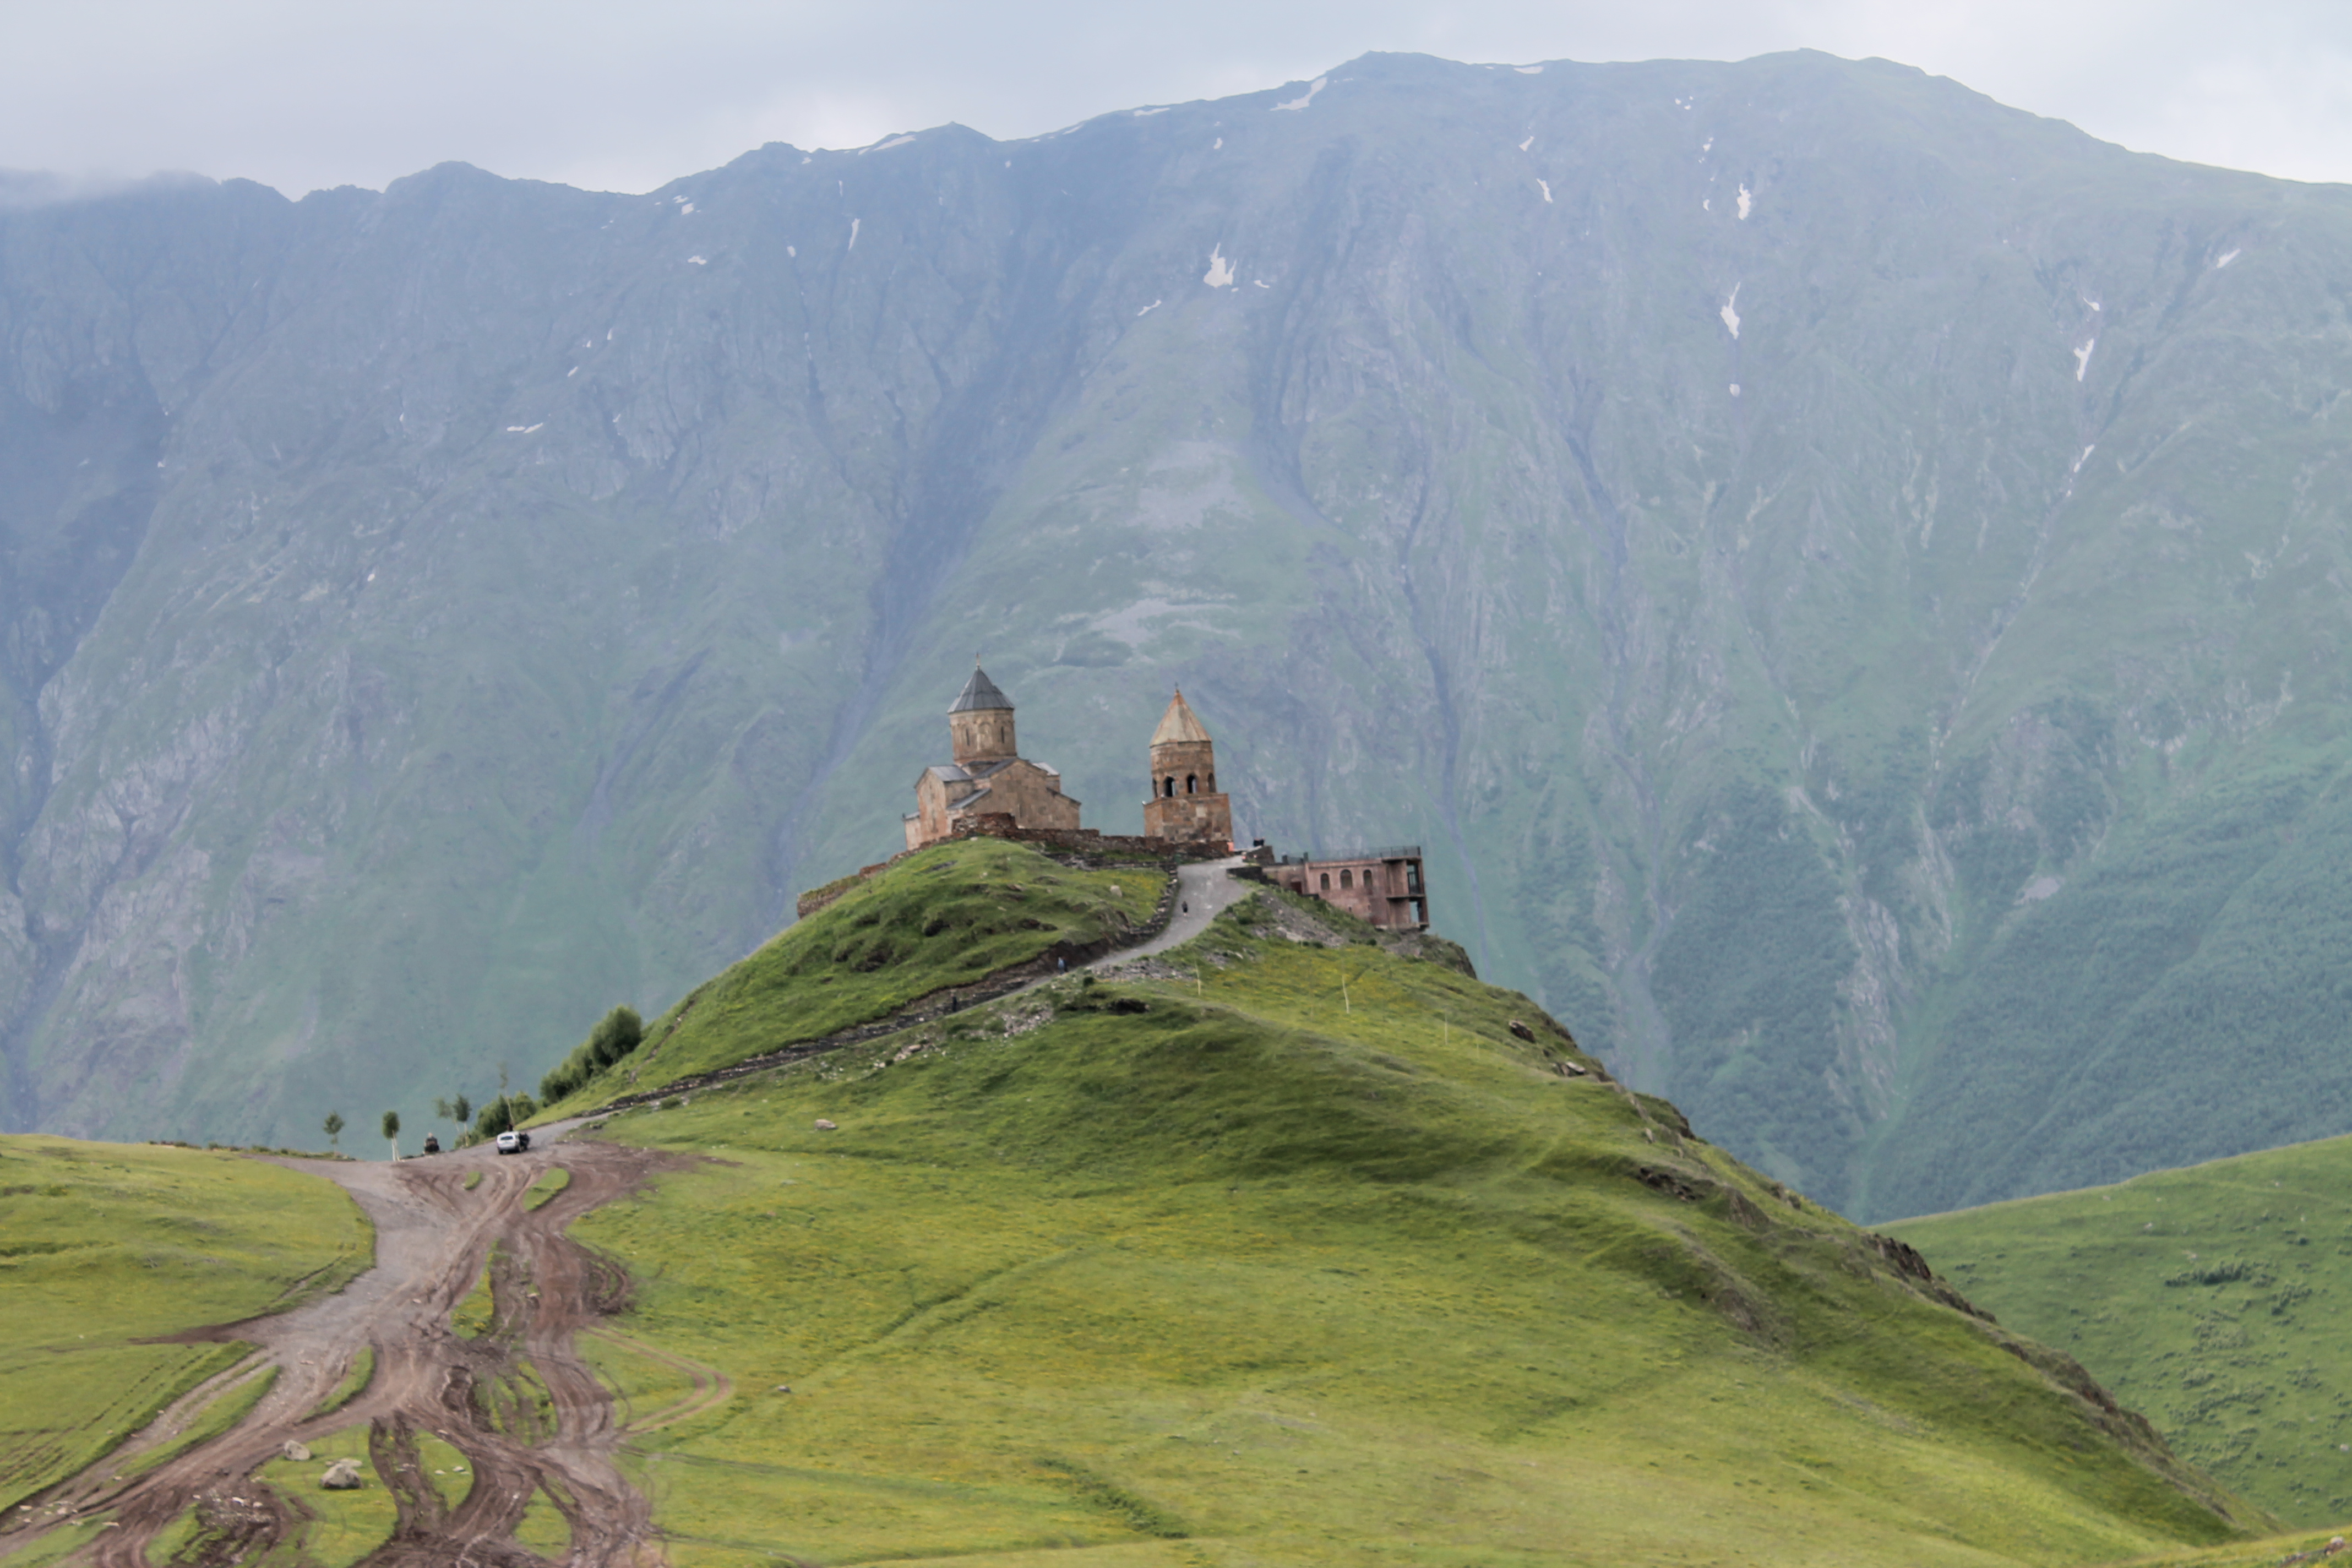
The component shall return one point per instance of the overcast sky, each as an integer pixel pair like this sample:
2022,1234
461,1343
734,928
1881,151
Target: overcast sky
301,94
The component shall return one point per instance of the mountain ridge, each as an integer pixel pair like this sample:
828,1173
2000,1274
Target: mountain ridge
537,587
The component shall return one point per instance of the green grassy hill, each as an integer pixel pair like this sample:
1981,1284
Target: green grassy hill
950,916
2212,1299
102,1245
1294,1249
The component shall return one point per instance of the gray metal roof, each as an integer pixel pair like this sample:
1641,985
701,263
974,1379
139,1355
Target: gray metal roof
980,692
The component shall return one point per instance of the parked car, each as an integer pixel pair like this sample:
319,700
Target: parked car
513,1142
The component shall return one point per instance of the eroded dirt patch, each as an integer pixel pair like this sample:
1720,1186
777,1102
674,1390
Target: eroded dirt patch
517,1402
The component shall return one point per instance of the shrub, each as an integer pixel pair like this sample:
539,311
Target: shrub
617,1034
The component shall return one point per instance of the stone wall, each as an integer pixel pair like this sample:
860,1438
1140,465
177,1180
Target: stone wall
1028,793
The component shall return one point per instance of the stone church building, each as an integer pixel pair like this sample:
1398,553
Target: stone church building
990,785
991,788
989,777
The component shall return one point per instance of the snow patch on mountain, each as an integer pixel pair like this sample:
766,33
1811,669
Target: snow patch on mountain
1312,88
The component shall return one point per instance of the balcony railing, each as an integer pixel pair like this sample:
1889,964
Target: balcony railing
1388,852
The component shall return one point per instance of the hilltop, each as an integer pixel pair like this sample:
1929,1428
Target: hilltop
2211,1298
1294,1244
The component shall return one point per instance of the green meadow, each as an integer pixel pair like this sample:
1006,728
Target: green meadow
1300,1253
105,1245
2210,1298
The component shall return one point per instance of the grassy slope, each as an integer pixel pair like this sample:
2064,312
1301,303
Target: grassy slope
102,1245
1276,1272
2211,1298
949,916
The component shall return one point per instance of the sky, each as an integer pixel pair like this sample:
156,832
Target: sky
304,94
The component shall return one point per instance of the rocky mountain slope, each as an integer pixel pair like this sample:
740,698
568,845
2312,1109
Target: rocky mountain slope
1844,578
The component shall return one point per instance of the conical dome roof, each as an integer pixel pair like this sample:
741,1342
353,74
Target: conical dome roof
1178,723
980,692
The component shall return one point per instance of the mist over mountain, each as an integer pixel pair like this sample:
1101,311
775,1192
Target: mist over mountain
1846,579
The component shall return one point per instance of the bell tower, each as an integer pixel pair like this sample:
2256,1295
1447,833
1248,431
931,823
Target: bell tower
1185,802
981,723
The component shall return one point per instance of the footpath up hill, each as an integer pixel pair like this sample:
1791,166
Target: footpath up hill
2211,1298
1287,1248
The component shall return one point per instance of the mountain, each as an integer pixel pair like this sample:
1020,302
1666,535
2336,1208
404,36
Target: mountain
2208,1298
1295,1244
1844,579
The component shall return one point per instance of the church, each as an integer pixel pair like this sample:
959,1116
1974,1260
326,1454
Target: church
988,777
990,788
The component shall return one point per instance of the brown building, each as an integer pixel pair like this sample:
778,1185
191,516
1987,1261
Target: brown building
1382,886
987,776
1185,803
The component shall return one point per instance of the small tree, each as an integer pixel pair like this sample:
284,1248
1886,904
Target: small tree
459,1111
392,1131
334,1127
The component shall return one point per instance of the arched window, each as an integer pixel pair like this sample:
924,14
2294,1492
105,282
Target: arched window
1346,879
1192,784
1169,787
1326,882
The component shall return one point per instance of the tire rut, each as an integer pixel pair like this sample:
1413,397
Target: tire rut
531,1416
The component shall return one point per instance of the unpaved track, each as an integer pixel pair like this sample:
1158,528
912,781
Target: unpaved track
1204,892
519,1402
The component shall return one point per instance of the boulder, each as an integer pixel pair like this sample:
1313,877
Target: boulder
294,1451
343,1475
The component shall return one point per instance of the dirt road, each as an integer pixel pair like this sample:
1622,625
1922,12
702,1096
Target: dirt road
518,1400
1202,894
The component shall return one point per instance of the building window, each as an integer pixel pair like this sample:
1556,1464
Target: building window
1169,786
1192,784
1326,882
1346,879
